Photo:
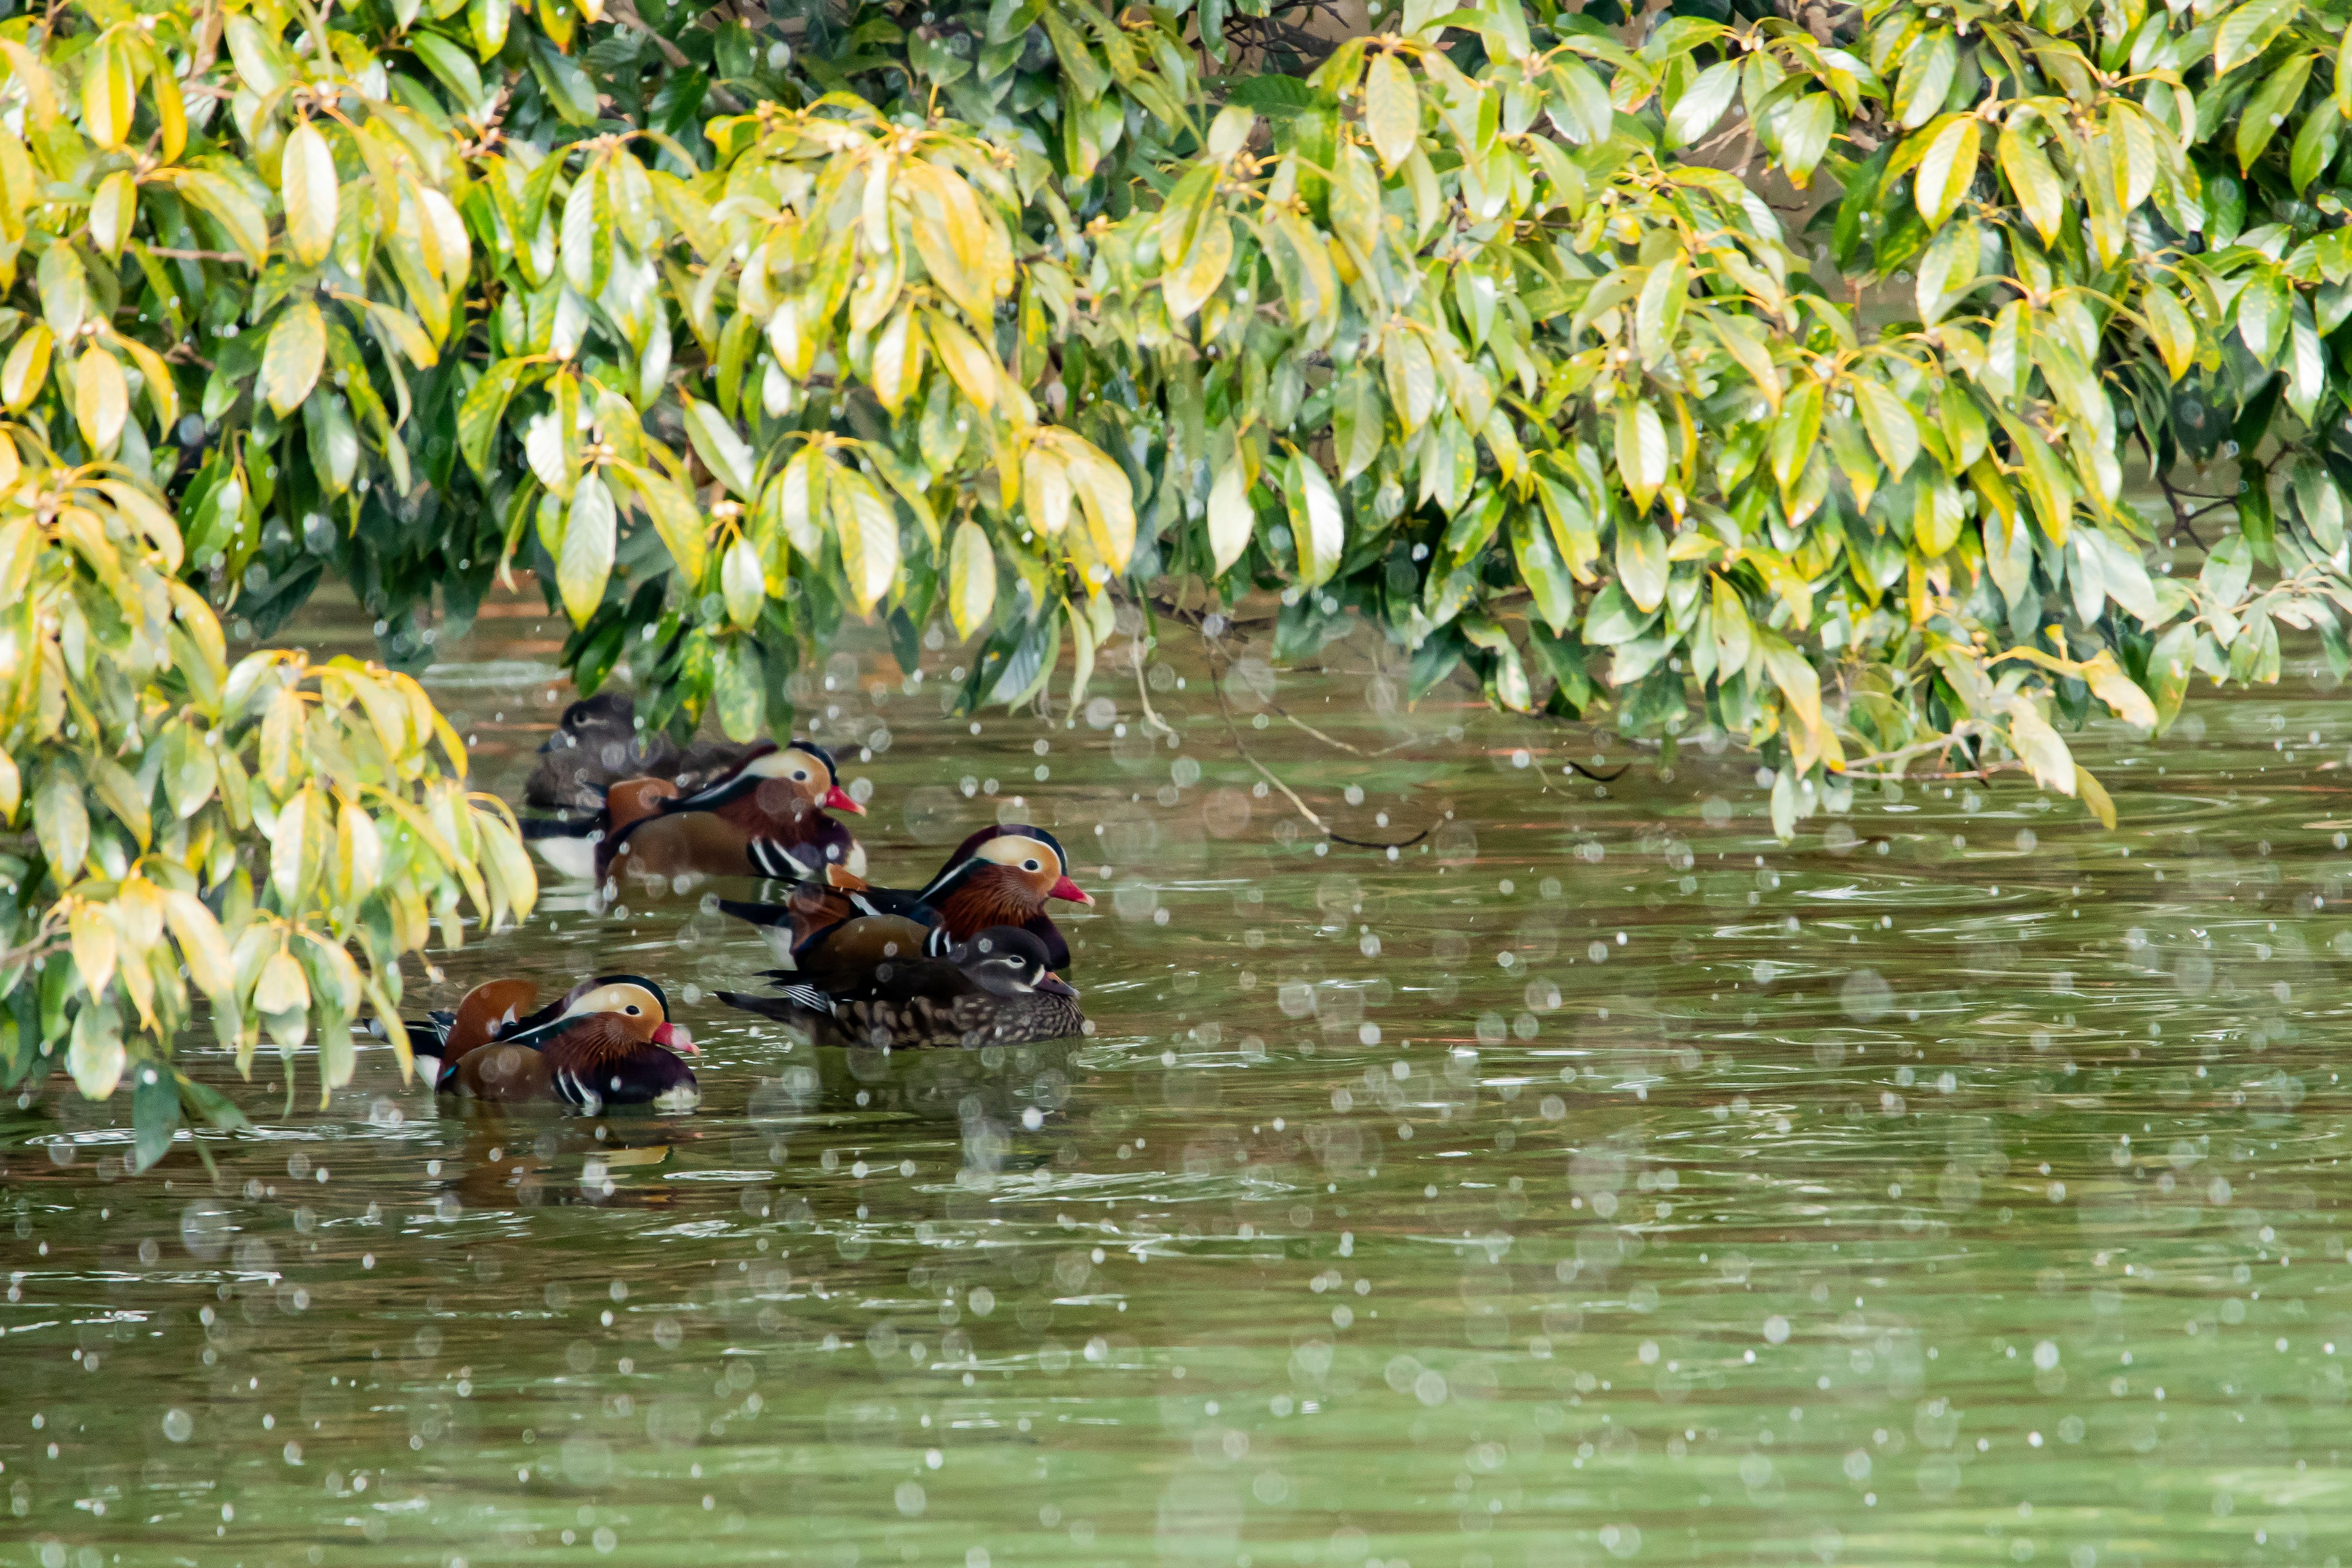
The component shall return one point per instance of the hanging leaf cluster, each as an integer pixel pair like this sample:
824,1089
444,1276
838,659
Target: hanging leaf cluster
1496,328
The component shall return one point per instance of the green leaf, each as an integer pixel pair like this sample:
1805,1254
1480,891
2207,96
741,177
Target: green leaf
1641,563
1549,584
972,579
2039,191
1805,136
483,412
867,535
61,824
1357,422
1641,455
1947,168
2168,328
1317,526
1392,110
488,21
1702,103
2248,30
590,538
1892,433
1231,517
722,451
239,218
452,65
308,187
2269,108
154,1112
676,518
294,354
1188,286
108,97
1926,80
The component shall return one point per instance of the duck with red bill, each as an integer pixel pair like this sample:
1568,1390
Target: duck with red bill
610,1041
766,817
1003,876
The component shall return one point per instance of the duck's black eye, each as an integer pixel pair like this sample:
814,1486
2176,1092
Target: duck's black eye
1031,866
631,1010
801,774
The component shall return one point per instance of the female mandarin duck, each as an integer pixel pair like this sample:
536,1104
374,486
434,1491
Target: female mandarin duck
765,818
999,876
996,988
607,1041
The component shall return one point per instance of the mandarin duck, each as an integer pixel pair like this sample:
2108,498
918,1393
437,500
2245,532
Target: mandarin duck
607,1041
1000,876
766,817
996,988
597,744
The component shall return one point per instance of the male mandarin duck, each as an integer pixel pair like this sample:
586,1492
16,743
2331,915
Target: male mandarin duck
607,1041
597,744
1000,876
996,988
766,817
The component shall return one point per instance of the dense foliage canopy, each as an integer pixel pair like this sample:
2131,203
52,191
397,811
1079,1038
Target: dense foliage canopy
1822,379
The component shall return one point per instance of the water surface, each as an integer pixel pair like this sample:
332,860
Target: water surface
1594,1179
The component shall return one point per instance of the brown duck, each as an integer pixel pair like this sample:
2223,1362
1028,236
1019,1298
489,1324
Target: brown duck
996,988
1001,876
597,744
608,1041
767,817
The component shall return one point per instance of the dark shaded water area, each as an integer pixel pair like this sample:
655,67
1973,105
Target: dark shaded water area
1595,1179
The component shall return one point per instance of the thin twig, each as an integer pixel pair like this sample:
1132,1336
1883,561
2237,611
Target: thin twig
1967,728
1233,729
1150,719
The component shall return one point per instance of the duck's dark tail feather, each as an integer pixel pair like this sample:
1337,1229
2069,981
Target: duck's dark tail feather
801,1004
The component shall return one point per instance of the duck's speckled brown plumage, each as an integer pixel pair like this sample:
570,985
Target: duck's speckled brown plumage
972,893
606,1042
597,744
995,989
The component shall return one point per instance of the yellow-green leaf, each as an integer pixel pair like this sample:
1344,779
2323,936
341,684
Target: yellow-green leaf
1317,528
27,368
972,579
293,356
868,536
2036,183
1231,518
741,582
1392,110
228,205
897,360
114,212
1947,168
1187,286
1640,451
585,563
108,96
309,188
2168,327
102,399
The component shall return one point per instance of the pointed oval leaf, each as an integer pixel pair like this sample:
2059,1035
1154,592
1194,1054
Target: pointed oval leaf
585,563
972,579
293,356
308,187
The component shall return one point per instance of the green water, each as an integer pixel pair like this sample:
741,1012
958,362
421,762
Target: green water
1596,1180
